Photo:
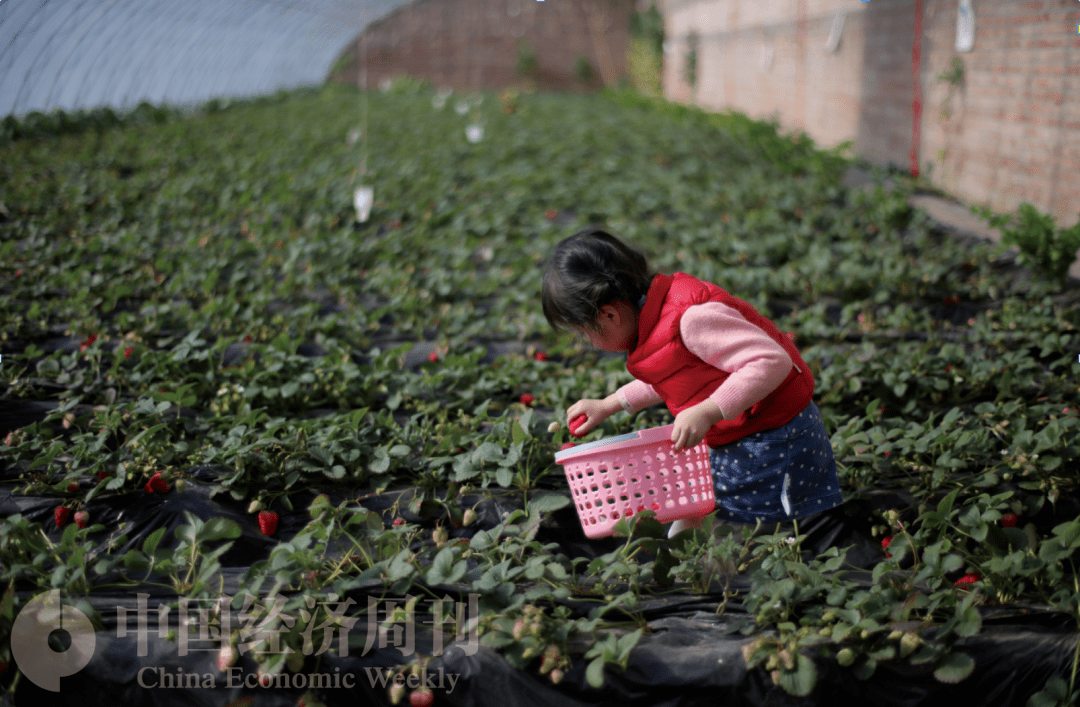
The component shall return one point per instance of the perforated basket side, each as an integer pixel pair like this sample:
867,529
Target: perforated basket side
613,484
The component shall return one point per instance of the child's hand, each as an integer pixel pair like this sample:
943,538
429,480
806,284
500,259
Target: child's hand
595,411
693,423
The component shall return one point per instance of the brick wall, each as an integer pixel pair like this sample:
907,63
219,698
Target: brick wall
465,44
1008,133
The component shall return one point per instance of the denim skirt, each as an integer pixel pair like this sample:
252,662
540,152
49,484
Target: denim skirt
776,475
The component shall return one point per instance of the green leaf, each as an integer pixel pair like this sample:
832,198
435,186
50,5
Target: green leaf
136,561
152,540
218,529
662,567
481,541
946,505
548,502
321,454
595,672
800,682
488,452
954,668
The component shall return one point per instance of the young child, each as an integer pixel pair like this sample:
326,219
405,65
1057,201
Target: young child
726,373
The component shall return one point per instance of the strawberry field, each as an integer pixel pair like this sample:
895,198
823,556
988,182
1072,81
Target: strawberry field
226,397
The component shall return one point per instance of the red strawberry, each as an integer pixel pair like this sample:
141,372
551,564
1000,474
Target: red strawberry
3,668
247,339
61,515
156,484
399,521
268,522
73,486
541,356
885,542
551,214
567,445
967,579
433,356
527,400
1009,520
421,697
576,423
127,351
82,518
102,475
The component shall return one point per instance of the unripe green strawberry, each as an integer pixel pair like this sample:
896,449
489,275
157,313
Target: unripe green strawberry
469,517
775,677
845,657
895,635
256,506
180,485
556,676
909,643
440,536
787,659
226,657
519,629
550,659
749,650
397,691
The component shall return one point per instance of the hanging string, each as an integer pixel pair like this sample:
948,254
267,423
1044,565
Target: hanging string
363,196
364,100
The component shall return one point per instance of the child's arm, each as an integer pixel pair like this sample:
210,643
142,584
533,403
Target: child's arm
722,337
631,397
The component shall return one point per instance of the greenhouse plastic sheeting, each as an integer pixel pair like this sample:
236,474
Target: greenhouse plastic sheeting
73,54
692,657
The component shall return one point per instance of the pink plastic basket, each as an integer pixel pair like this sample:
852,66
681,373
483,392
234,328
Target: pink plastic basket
619,476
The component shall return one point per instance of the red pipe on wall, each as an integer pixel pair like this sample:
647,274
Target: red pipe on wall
916,103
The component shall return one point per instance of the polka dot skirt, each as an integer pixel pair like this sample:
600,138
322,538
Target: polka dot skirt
777,475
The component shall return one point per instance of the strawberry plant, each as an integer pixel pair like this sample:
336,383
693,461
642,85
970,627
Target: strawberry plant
216,328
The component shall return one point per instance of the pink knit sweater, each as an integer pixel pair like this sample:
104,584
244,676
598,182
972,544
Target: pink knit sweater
720,336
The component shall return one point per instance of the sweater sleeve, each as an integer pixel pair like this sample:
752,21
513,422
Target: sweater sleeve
722,337
637,395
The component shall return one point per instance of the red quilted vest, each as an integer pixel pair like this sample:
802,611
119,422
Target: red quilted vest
682,379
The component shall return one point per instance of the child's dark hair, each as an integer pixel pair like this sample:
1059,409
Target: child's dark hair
588,270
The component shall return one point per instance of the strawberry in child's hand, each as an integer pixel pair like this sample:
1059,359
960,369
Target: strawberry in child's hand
61,515
576,423
421,697
82,518
1008,520
268,522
